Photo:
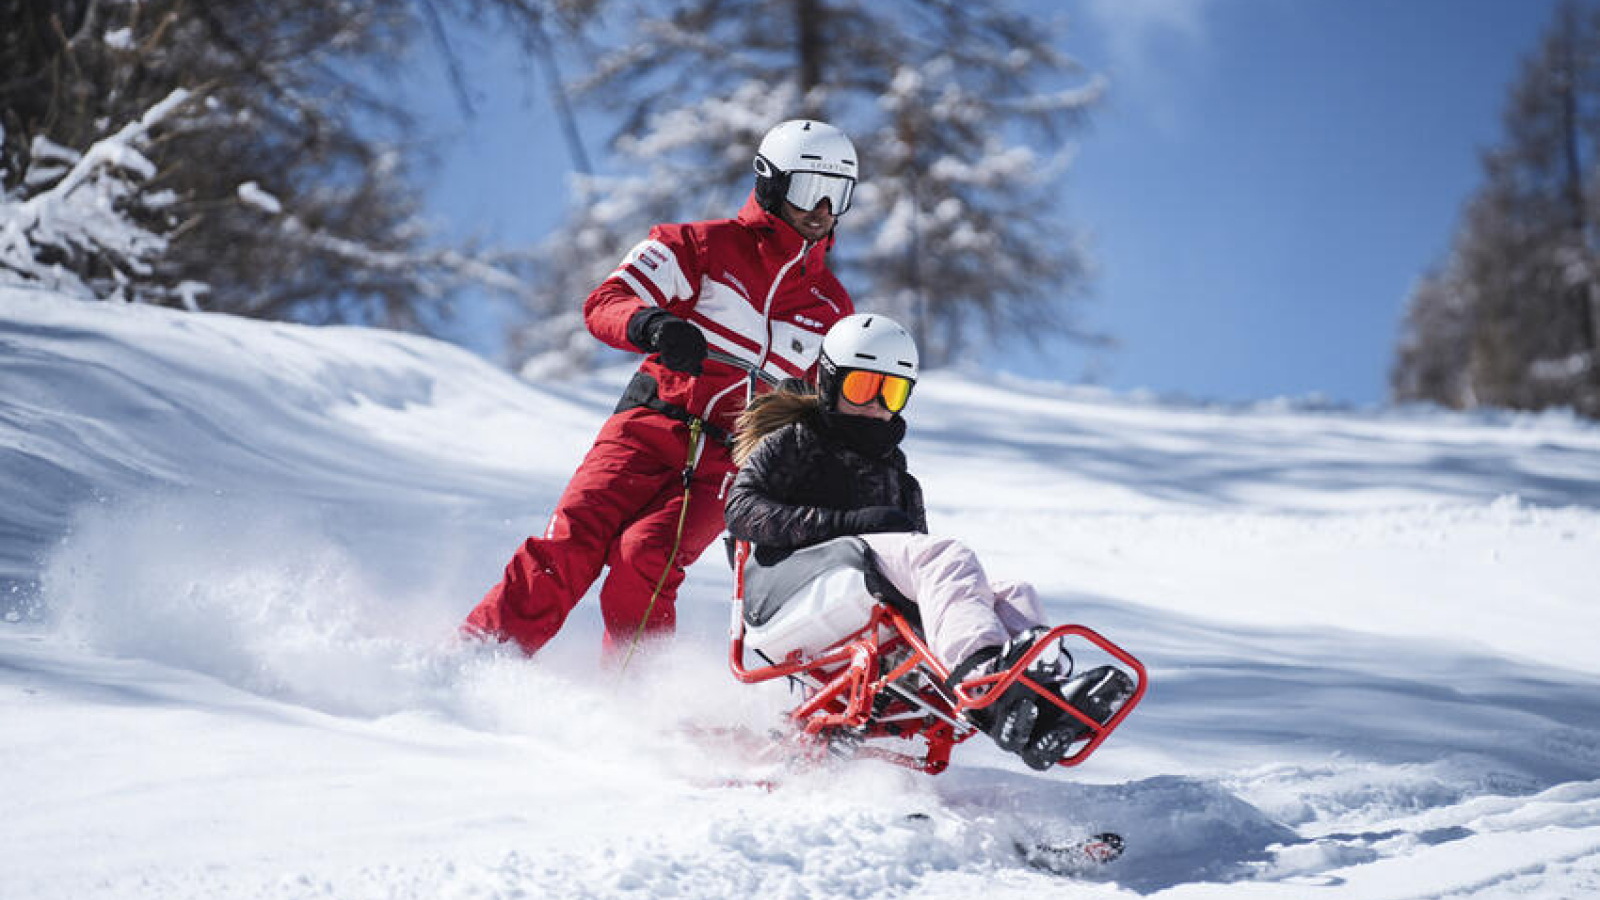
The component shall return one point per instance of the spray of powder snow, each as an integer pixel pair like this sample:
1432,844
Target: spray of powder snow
259,593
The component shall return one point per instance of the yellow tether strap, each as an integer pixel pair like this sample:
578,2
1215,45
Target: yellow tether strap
677,539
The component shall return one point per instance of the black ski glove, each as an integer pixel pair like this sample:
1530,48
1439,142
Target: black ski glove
875,519
681,345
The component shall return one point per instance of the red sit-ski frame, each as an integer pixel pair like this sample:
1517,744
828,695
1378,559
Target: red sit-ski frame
882,681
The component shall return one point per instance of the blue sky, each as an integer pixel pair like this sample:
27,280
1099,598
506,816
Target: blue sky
1268,178
1263,184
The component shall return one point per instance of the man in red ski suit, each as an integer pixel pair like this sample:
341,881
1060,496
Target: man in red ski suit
719,307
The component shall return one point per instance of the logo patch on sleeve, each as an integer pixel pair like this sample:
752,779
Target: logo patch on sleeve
653,256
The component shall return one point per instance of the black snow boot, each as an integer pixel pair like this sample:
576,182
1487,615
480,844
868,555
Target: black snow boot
1009,721
1097,693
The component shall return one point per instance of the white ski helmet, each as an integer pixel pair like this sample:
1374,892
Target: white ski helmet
868,342
804,161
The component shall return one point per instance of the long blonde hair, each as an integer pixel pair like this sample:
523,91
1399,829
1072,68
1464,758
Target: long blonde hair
768,413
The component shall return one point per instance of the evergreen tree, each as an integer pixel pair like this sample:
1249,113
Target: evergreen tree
1517,323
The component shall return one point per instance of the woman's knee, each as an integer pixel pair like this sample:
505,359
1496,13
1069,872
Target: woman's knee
1017,604
953,552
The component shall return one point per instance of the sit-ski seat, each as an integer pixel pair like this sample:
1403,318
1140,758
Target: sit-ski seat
813,598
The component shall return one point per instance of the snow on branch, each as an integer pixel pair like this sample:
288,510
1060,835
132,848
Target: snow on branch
75,233
1081,97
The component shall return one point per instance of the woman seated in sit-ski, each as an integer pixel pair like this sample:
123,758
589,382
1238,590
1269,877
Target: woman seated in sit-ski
818,466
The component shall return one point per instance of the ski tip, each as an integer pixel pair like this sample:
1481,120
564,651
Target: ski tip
1076,858
1104,847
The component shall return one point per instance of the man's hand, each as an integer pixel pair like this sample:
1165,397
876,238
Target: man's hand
875,519
682,346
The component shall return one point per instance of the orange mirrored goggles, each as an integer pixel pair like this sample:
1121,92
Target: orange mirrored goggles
861,388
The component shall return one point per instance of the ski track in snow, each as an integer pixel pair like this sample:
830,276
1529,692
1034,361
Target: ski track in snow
233,555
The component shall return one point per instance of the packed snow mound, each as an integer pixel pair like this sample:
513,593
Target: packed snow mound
234,555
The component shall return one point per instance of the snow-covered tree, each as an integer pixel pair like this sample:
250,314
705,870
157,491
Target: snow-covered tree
959,112
74,232
285,188
1435,339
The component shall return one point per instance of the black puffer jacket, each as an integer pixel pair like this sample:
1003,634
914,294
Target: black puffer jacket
797,484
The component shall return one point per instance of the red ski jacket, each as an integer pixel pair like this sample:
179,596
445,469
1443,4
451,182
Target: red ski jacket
761,295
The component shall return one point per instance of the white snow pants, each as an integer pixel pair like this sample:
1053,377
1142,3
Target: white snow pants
962,610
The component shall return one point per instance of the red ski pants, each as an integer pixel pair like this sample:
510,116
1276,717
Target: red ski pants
619,510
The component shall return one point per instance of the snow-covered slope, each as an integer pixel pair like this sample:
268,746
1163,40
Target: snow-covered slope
232,556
